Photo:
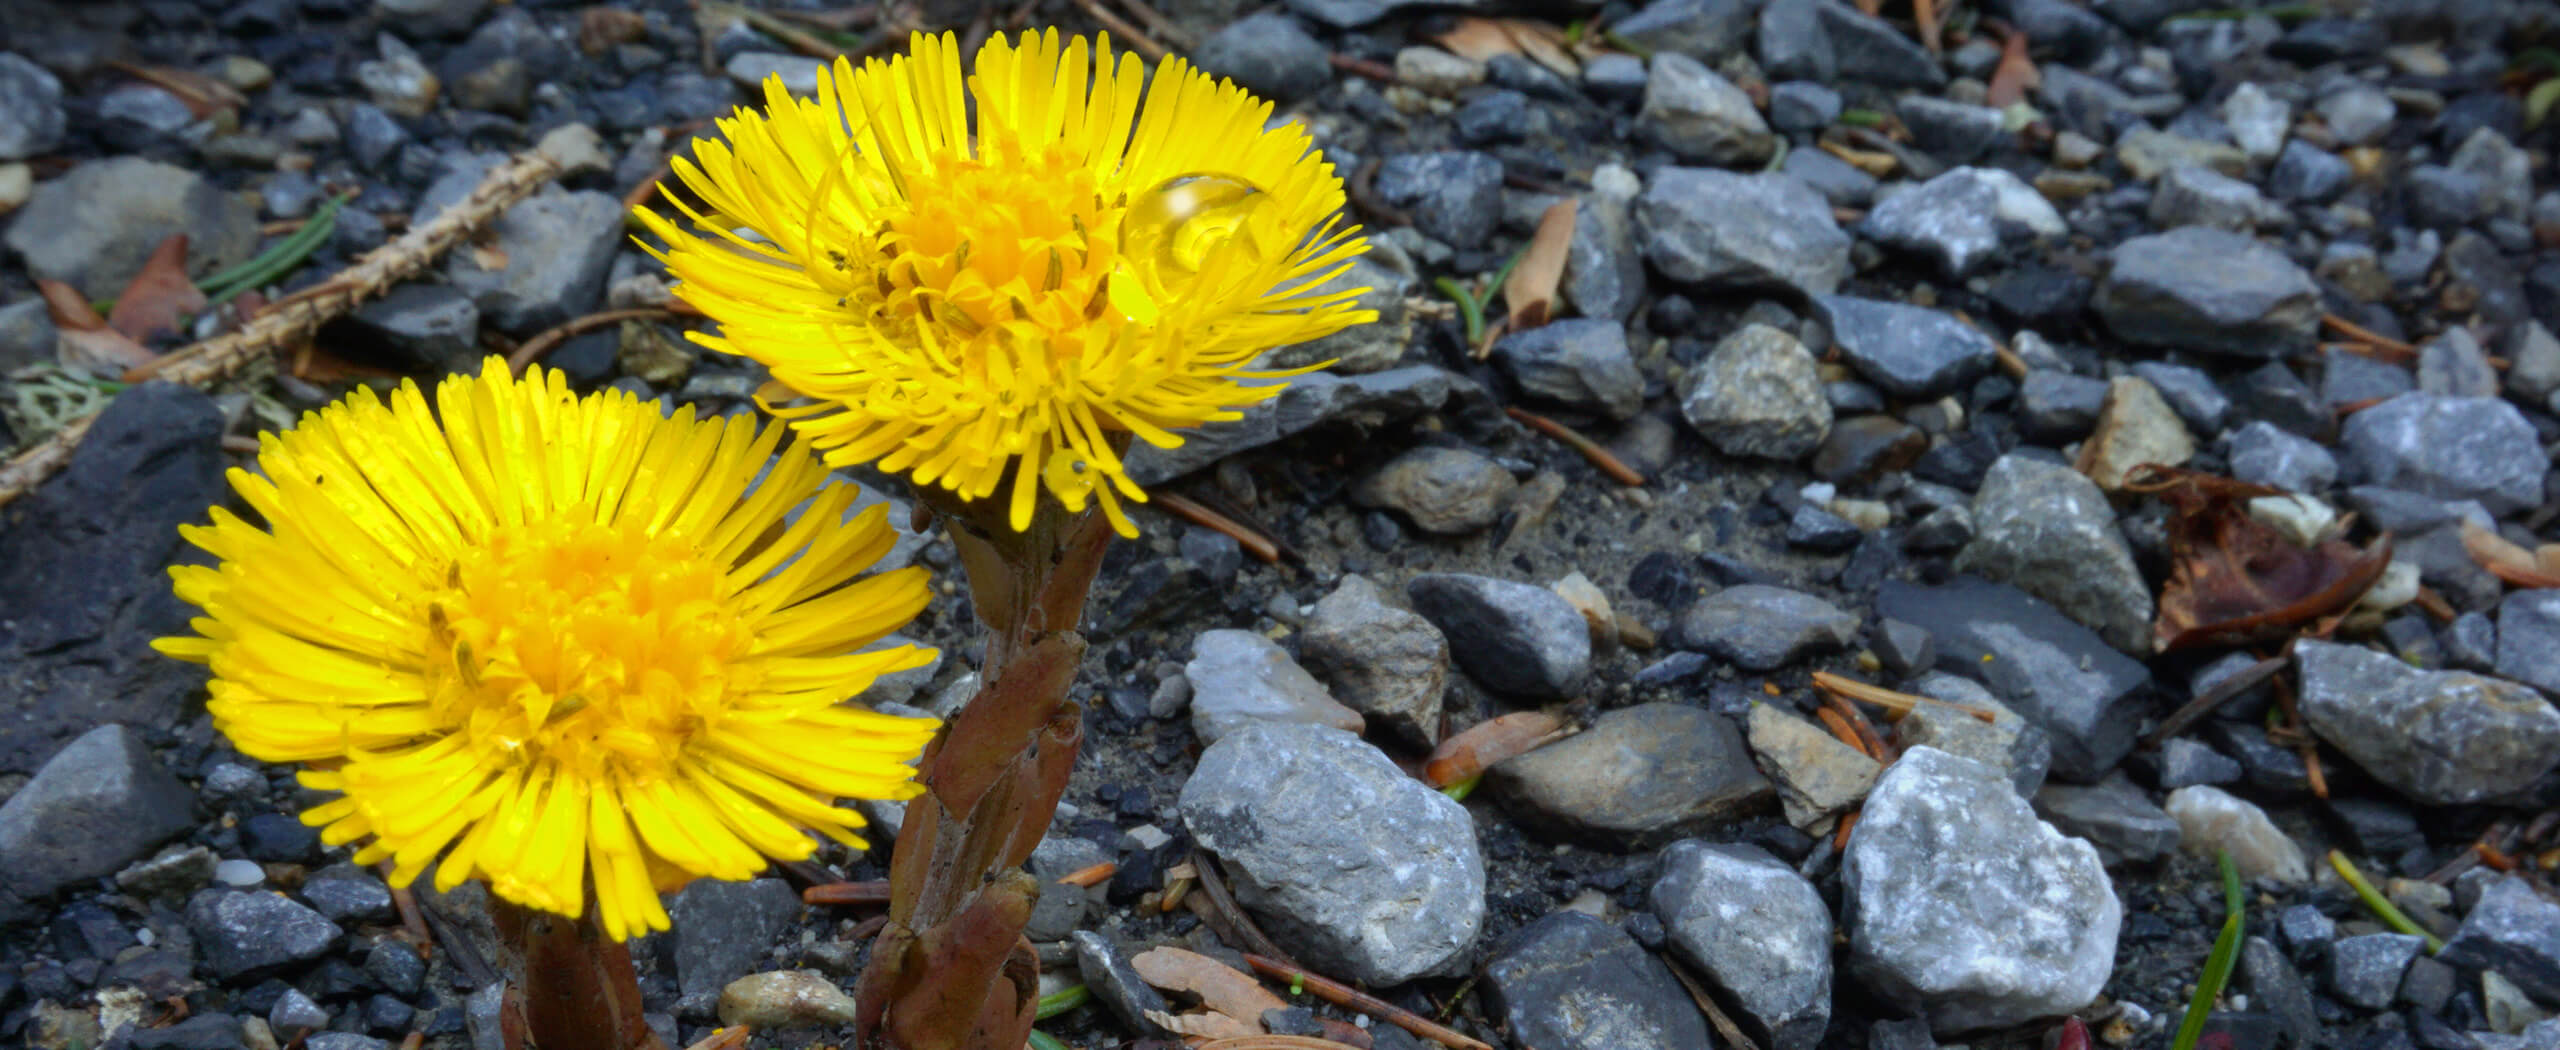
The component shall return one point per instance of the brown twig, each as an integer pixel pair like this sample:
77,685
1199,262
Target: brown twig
1872,742
1191,510
1840,836
846,893
1091,876
550,339
2222,692
1841,729
1732,1033
1890,700
415,1039
1349,998
2361,334
1137,38
1220,902
1163,27
1602,458
404,902
1362,67
1363,194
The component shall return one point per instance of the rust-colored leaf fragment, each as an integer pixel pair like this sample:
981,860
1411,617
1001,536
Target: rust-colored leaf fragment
1924,16
2015,75
1485,744
86,342
2234,579
1221,987
161,297
1530,291
1207,1024
2507,561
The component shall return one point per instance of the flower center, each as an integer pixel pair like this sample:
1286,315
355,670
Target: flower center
583,644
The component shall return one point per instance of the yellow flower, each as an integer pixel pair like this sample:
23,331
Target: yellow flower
555,640
1015,272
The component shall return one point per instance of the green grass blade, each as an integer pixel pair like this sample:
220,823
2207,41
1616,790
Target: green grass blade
2217,965
2380,905
1063,1000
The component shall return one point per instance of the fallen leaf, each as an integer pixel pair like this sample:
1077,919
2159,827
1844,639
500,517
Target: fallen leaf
1545,45
203,95
1530,291
1220,987
2547,557
1477,39
1207,1025
2509,562
1481,746
1924,15
85,343
2014,76
489,257
2234,579
161,297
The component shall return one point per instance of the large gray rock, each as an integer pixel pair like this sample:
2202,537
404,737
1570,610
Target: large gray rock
1352,14
2195,288
1239,678
1640,776
1869,48
2046,529
1387,663
1817,777
1580,363
2453,448
2195,195
1960,904
1762,628
1353,865
1572,982
1511,637
99,804
1309,402
1757,930
1909,351
1445,491
31,120
558,246
1716,229
1758,393
1960,219
94,226
1453,195
1704,30
2007,742
1361,348
1603,270
2265,454
252,933
2439,737
1269,54
2083,693
723,931
1700,116
2515,931
2529,638
2113,815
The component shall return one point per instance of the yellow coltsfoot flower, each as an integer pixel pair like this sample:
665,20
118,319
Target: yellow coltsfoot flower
1005,277
568,645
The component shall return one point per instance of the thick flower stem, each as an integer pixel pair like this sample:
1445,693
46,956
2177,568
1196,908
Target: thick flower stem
951,971
570,986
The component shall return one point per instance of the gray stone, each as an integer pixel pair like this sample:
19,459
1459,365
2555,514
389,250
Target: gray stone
1836,180
1571,982
1757,930
1951,131
1716,230
2455,448
1387,663
1792,44
1310,401
1816,775
372,136
2514,931
1269,54
1904,649
1578,363
1762,628
2259,121
2185,762
1703,30
1239,678
1639,777
346,892
558,247
420,19
1062,908
244,933
2308,174
148,107
1453,195
2060,675
1961,904
1356,867
1511,637
295,1014
1803,105
94,226
1446,491
1758,393
1352,14
2189,391
1871,49
2453,364
1909,351
2194,195
429,328
1603,271
27,335
2529,638
2347,377
723,931
2056,407
1106,971
31,119
2049,531
2533,363
1700,116
1614,77
2113,815
2365,970
2505,174
2357,113
2273,984
2211,819
2264,454
1961,219
2195,288
2442,198
750,69
2135,426
2008,742
2439,737
97,805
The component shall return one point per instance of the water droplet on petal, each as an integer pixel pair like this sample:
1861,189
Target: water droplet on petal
1174,230
1068,476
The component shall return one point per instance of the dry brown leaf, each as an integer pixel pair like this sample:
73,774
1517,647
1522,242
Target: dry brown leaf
161,297
2507,561
2547,557
1871,8
1220,987
1483,745
1924,14
2014,76
85,343
1545,45
203,95
1208,1025
1478,40
2234,579
1530,291
600,28
1878,164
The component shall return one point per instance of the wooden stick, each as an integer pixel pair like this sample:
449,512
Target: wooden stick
1890,700
1840,837
1732,1033
1136,38
551,338
1188,509
1162,26
2361,334
1841,729
1875,747
846,893
1365,68
1349,998
1602,458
